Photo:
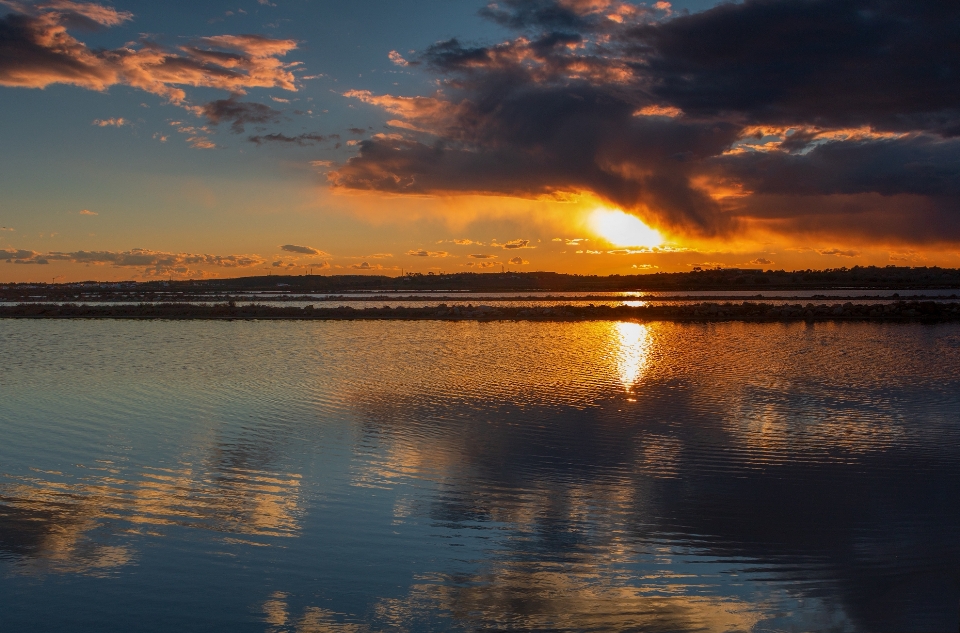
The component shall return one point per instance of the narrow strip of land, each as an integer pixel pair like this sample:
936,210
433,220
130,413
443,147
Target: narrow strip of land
929,311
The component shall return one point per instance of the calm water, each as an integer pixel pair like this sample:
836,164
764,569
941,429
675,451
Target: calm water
418,476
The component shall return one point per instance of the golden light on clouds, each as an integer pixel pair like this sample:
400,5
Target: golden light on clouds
623,229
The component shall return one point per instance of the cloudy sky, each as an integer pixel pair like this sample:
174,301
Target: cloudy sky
182,139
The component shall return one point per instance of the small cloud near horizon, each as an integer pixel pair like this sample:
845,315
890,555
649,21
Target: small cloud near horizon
303,250
397,58
114,122
368,266
840,253
514,244
424,253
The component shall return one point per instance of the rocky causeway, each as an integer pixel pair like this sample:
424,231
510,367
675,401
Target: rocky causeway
703,311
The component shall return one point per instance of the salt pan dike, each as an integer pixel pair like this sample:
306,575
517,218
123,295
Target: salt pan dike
926,311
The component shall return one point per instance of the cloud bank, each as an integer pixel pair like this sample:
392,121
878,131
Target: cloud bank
151,263
836,118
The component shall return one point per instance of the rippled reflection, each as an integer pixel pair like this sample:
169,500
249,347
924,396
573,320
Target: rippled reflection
633,352
465,476
77,525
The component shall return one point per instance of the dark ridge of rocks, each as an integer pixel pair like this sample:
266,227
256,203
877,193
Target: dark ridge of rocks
926,311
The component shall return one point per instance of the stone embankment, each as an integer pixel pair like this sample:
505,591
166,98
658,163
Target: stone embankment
748,311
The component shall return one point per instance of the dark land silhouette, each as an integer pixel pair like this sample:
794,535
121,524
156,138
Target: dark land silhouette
858,277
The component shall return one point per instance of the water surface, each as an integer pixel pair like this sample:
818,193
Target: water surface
392,476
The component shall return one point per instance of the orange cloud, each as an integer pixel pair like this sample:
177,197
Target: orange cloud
38,51
116,122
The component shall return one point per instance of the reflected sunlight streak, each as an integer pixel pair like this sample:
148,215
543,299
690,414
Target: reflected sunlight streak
633,353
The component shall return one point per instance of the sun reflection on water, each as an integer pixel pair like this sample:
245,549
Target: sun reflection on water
633,353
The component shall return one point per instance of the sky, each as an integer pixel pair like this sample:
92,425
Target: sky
144,140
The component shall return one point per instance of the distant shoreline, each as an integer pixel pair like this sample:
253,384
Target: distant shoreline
852,280
923,311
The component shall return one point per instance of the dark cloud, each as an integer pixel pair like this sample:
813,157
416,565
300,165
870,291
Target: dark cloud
9,254
239,113
551,15
21,256
824,116
26,58
546,140
919,165
300,139
304,250
890,64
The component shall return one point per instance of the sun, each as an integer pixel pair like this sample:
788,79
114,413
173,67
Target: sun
623,229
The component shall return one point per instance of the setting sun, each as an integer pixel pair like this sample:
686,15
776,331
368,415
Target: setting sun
623,229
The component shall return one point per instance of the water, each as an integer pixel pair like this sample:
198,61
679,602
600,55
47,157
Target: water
420,476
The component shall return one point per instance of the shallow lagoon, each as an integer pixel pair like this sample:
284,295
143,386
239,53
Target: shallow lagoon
374,476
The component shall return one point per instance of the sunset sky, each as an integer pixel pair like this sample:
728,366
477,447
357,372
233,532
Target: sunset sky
175,139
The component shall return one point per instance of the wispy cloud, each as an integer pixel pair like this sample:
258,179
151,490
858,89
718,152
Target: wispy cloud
300,139
87,212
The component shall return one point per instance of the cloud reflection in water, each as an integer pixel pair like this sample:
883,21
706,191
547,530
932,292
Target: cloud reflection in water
438,476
